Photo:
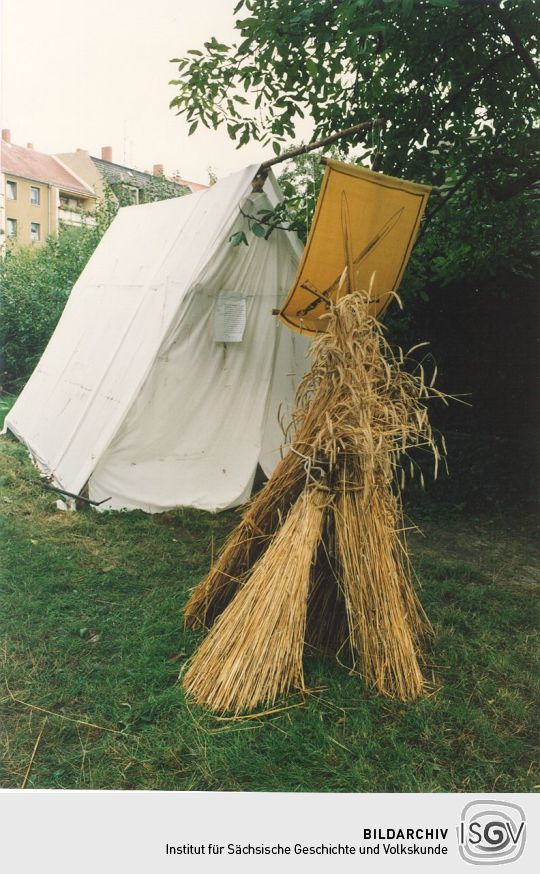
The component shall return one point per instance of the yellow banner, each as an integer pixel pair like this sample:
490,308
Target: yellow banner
361,238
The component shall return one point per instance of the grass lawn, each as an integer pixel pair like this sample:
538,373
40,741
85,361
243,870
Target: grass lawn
91,630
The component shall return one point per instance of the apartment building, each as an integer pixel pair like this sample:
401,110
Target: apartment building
38,193
129,186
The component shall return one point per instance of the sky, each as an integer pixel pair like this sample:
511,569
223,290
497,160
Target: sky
92,73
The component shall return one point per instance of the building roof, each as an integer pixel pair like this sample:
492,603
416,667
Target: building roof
114,173
193,186
39,167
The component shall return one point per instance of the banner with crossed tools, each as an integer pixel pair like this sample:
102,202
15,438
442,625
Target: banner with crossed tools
361,238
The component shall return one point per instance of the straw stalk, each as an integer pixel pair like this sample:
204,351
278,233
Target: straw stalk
319,557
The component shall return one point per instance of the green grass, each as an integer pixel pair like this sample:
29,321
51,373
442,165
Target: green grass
91,629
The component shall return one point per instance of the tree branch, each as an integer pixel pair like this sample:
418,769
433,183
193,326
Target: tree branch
465,178
472,80
516,186
318,144
528,62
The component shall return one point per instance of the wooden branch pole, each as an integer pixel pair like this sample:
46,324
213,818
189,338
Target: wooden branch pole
319,144
60,491
260,178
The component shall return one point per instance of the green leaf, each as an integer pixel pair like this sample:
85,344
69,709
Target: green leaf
277,148
192,128
238,238
312,68
258,230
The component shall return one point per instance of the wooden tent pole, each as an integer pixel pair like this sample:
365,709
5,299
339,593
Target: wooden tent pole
301,150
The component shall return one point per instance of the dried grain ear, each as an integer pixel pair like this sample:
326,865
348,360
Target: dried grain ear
254,653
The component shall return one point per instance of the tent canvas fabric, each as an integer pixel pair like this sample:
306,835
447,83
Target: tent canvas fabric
133,395
365,225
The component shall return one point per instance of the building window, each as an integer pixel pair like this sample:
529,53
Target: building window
34,195
69,202
12,227
11,188
34,232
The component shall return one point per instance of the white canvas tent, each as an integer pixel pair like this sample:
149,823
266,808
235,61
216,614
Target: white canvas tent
135,395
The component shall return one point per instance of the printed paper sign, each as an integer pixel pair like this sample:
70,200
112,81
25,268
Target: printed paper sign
229,317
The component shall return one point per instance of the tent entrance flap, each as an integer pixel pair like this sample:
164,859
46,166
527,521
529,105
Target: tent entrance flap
361,237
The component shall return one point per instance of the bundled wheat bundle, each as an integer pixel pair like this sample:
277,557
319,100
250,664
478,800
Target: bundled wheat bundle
320,556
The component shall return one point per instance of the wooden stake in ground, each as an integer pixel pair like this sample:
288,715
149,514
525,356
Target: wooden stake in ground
319,556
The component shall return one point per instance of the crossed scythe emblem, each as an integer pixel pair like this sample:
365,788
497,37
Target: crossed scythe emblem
351,263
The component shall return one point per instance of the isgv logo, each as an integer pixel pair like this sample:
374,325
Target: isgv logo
491,832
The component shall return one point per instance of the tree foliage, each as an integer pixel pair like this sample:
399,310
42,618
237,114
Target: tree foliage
458,84
36,282
456,80
156,188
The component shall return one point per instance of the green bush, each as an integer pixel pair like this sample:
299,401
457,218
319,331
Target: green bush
35,283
